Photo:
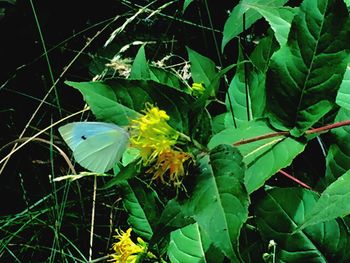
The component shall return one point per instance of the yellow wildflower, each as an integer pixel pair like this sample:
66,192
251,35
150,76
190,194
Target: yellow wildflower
125,250
197,88
171,161
156,140
151,134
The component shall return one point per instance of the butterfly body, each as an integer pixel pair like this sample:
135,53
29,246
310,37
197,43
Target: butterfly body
96,146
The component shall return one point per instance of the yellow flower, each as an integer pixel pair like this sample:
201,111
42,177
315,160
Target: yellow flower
125,250
171,161
156,140
151,134
197,88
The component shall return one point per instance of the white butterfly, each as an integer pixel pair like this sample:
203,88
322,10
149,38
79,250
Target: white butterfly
96,146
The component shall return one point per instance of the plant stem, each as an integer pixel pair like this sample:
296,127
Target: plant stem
262,137
287,133
328,127
295,179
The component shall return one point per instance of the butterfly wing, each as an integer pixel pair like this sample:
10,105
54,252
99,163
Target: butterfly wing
96,146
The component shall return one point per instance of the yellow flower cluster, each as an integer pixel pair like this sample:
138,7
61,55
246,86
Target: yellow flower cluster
172,161
156,139
125,250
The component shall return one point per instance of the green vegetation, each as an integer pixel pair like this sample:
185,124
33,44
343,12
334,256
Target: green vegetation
175,132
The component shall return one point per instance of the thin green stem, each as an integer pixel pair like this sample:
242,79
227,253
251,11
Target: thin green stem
46,56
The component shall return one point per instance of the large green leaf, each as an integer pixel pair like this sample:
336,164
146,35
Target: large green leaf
120,100
249,130
202,68
219,201
343,96
143,208
140,69
174,216
304,75
238,97
263,158
268,163
260,58
279,214
279,18
234,24
338,157
262,53
334,202
186,245
104,102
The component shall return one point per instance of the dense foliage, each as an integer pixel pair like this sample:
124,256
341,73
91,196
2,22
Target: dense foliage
209,161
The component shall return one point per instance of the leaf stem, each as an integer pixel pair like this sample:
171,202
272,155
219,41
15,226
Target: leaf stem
328,127
287,133
295,179
261,137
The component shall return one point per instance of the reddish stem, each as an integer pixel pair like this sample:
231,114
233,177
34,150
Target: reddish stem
295,179
328,127
262,137
287,133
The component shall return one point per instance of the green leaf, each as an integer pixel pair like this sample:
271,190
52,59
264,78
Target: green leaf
338,157
121,100
234,24
218,123
140,69
186,4
279,18
347,2
143,208
238,97
260,58
219,201
263,158
279,214
250,130
334,202
262,53
104,102
343,96
168,78
268,163
186,245
201,129
124,174
257,93
212,89
174,216
305,74
130,155
202,68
